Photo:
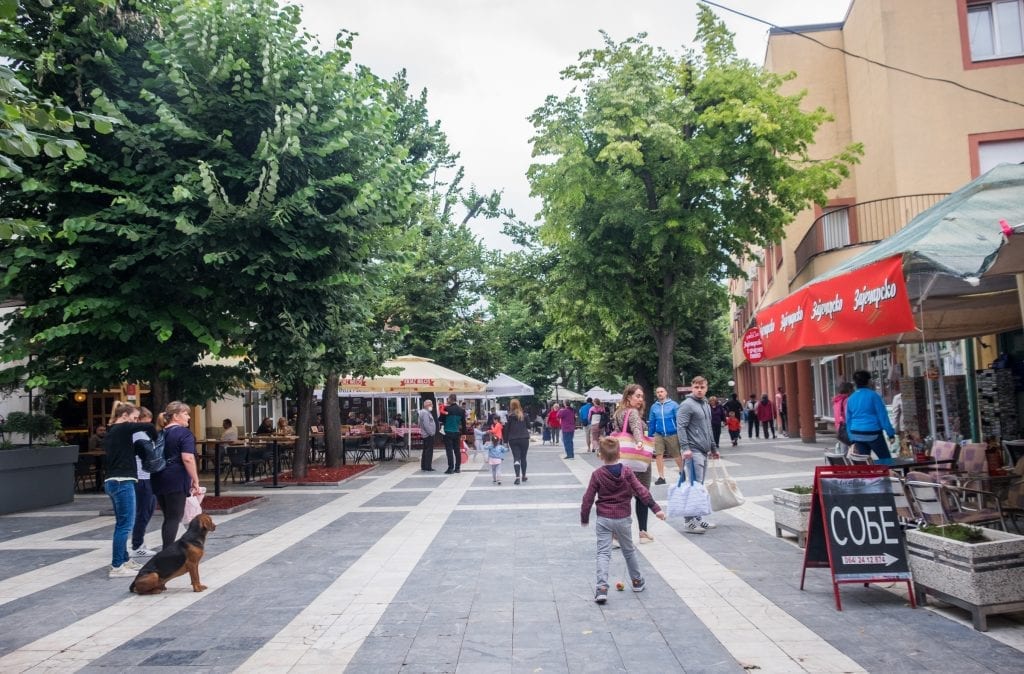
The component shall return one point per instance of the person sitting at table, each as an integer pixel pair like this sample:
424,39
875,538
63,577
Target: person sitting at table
96,439
266,427
283,428
230,433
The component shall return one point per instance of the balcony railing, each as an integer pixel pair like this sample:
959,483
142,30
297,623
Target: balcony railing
857,224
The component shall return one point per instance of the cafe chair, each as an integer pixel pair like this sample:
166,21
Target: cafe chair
857,459
837,456
1014,451
85,473
945,455
236,462
382,446
940,504
909,518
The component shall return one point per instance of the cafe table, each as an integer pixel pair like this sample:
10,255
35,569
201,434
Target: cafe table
909,464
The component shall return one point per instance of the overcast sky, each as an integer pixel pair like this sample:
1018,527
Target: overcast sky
487,64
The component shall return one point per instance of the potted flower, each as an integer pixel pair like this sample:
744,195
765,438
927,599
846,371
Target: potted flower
979,570
38,473
792,509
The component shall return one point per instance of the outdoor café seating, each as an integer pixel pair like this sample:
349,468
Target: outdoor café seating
939,503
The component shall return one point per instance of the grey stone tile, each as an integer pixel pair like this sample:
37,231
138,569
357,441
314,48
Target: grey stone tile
171,658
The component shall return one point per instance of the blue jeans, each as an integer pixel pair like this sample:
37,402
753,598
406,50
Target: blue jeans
567,443
122,496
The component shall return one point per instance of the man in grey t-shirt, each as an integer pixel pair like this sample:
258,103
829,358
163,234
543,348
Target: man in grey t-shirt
696,441
428,427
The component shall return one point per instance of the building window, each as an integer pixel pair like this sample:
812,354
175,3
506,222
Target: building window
988,150
995,29
835,228
778,255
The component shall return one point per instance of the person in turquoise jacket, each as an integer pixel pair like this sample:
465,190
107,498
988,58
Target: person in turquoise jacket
661,423
867,421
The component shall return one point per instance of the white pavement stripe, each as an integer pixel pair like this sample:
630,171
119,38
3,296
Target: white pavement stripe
328,632
53,513
520,506
526,487
80,643
51,575
782,458
753,629
50,535
809,474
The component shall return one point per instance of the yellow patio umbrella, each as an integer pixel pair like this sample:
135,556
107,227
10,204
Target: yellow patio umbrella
416,375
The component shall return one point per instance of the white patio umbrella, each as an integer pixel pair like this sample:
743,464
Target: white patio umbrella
504,386
603,395
416,375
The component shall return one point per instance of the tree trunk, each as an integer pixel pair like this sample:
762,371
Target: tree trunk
300,460
160,391
665,340
332,421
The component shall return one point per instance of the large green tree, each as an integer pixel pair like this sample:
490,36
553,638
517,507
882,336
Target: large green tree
660,175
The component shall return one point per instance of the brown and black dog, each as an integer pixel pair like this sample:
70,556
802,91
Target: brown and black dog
177,560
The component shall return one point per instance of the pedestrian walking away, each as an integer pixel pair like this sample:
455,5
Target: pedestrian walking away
518,433
766,415
717,419
867,421
613,485
567,422
661,422
585,421
629,418
454,423
596,419
553,424
428,429
697,442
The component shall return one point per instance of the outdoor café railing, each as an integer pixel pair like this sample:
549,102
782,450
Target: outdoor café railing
861,223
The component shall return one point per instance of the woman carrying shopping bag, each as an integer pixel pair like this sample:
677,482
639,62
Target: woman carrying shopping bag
629,418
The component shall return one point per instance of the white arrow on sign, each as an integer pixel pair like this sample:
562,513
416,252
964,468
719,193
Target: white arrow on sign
885,559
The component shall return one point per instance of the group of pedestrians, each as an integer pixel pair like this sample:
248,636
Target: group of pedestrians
133,492
762,414
686,434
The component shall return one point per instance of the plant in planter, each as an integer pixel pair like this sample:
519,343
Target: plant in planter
792,509
980,570
35,476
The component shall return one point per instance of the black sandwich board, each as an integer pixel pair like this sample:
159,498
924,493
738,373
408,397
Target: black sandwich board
854,530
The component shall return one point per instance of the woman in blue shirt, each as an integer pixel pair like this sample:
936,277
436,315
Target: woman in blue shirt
867,421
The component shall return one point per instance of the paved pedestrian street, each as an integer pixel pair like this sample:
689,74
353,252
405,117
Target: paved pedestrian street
404,571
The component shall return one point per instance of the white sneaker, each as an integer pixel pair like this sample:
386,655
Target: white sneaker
127,570
704,524
692,528
142,552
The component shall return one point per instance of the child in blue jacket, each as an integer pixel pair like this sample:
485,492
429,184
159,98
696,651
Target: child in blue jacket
495,455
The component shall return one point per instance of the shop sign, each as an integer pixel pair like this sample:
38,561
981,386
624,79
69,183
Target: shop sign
753,345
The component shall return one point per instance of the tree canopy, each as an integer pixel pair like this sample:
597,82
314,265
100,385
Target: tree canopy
659,176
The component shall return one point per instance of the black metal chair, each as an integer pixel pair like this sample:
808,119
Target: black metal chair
360,448
85,472
382,449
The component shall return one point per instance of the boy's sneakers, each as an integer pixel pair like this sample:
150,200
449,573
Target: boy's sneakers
517,481
129,569
639,584
660,480
705,525
692,527
601,595
142,552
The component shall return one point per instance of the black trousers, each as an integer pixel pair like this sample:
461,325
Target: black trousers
765,425
753,430
427,457
784,421
173,508
519,448
453,450
716,430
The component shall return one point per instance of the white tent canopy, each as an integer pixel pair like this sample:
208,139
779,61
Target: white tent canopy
415,375
504,386
603,395
562,394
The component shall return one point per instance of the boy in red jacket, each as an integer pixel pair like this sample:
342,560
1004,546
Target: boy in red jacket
614,486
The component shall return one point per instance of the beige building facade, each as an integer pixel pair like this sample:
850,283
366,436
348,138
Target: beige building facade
918,83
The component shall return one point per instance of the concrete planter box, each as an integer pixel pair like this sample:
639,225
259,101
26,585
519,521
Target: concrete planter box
36,477
984,578
792,512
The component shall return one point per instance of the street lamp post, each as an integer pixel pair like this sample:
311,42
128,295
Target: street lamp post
557,382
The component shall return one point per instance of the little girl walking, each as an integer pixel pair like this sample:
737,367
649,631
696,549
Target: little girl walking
495,455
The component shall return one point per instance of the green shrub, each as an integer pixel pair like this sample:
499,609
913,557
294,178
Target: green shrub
956,532
35,425
799,489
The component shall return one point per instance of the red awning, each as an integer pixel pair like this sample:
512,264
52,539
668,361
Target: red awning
866,306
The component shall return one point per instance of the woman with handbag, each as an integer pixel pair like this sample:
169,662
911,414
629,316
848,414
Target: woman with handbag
839,412
629,418
179,479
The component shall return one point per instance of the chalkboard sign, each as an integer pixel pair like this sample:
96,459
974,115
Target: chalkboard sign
854,529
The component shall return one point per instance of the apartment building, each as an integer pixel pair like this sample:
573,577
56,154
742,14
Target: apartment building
920,83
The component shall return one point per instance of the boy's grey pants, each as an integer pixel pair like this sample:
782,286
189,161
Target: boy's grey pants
623,530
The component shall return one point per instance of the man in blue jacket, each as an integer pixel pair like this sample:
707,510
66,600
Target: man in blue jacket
585,420
661,423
